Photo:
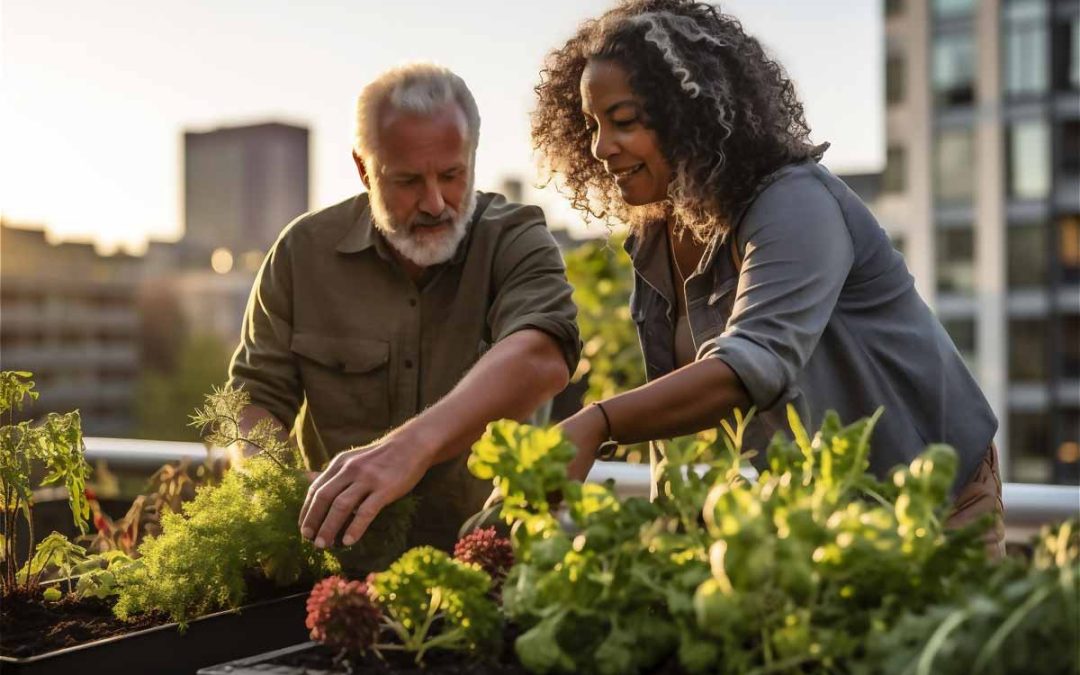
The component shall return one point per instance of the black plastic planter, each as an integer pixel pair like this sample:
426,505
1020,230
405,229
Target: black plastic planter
164,650
256,665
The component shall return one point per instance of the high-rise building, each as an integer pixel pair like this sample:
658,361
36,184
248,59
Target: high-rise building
242,185
982,190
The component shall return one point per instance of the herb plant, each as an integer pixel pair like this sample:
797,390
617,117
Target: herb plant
815,567
57,444
244,526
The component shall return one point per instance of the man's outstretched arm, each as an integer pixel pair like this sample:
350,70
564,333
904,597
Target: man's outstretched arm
511,380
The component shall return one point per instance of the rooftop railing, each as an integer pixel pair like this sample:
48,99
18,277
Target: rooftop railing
1027,506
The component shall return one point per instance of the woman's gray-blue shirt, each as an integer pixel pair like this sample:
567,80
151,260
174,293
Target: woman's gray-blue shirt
823,314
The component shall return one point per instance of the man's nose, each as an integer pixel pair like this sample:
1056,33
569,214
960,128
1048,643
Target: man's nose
432,202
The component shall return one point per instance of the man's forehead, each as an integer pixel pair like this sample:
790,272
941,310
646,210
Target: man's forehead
415,141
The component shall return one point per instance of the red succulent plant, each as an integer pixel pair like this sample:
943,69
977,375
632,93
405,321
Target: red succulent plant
487,549
341,615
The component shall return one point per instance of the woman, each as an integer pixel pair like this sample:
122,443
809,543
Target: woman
760,278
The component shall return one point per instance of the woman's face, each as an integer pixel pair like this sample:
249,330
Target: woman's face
629,150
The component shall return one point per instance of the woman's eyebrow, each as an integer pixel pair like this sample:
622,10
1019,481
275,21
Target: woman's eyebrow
618,104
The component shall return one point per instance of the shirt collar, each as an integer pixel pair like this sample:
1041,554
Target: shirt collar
361,235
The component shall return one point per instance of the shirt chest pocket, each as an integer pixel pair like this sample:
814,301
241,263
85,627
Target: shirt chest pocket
710,312
346,380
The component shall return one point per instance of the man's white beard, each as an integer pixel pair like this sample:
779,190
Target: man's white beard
423,248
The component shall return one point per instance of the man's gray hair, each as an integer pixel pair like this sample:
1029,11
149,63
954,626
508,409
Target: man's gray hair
419,87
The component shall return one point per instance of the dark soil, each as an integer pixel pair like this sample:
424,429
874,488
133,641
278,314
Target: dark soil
30,626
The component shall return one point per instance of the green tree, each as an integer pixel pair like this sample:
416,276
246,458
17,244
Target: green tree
165,398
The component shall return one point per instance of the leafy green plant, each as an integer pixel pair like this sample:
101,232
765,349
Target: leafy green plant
791,573
1017,620
430,600
601,275
57,444
244,526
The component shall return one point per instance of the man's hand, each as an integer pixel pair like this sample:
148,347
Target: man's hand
356,486
514,377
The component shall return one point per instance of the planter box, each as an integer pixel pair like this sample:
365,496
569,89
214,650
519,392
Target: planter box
164,650
255,665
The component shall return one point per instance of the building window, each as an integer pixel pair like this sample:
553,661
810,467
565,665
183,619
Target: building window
951,9
1026,70
1025,249
954,163
894,7
1068,450
1027,350
962,332
895,178
1029,447
895,72
1066,54
955,249
1069,248
1029,160
1070,147
954,69
1070,346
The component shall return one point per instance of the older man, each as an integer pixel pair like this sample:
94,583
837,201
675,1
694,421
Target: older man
391,328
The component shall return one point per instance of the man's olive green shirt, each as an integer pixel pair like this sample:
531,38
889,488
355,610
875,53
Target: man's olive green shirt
336,333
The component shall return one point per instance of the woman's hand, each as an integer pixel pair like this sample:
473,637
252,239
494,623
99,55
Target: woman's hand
587,430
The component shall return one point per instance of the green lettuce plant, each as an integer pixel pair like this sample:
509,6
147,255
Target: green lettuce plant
793,572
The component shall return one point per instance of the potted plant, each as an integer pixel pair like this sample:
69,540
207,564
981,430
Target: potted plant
179,603
817,567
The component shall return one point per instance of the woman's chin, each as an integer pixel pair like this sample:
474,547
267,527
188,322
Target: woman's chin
637,197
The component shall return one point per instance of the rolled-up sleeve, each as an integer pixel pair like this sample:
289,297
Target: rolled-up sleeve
531,287
263,363
797,255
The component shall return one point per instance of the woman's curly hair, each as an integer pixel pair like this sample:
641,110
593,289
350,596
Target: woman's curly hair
726,115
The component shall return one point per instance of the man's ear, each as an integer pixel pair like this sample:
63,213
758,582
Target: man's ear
362,169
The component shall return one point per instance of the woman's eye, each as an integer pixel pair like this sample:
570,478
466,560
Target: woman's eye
622,124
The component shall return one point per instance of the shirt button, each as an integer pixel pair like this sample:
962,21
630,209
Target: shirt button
412,302
408,363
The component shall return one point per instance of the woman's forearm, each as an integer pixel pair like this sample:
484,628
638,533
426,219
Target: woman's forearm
688,400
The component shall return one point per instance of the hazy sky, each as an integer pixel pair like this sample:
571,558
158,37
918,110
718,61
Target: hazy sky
96,94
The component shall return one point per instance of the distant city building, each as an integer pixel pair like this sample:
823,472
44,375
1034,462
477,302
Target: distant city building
242,185
982,187
68,315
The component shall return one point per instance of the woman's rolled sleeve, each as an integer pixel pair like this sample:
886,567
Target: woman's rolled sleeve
798,253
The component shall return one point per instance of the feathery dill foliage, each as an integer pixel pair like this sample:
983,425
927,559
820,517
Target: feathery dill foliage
246,525
57,443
